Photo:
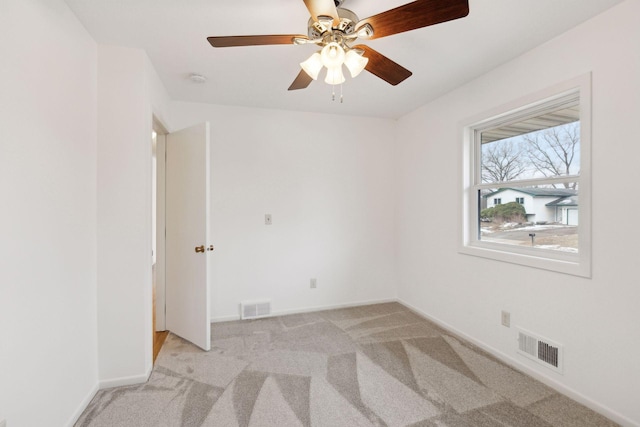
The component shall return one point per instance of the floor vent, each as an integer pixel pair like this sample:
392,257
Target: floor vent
255,309
541,350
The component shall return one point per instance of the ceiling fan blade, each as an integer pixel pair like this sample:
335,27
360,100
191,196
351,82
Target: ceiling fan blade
231,41
418,14
381,66
323,8
301,82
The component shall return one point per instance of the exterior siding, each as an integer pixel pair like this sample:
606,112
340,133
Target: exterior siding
536,208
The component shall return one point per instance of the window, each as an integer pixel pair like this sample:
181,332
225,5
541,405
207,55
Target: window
538,148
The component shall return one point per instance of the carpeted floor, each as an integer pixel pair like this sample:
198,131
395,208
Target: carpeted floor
377,365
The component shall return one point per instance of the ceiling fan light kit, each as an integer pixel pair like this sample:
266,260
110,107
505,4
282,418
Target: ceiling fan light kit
334,29
313,65
355,62
332,55
334,76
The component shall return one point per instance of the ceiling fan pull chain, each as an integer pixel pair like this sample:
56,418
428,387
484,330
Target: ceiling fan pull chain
333,93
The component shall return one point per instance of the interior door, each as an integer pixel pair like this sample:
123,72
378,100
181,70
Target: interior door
188,249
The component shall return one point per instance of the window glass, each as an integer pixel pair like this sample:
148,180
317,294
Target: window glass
550,152
542,149
549,221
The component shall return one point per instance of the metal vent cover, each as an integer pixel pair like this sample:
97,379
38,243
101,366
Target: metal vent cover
255,309
541,350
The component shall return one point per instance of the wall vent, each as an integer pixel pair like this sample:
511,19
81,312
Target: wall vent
255,309
542,350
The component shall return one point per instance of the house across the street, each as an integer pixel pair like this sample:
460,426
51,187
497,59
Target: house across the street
559,205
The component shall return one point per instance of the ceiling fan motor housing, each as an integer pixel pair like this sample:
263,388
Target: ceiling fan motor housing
347,25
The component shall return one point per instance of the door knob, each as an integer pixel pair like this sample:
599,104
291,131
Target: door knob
210,248
200,248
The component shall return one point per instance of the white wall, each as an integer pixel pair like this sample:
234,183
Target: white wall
596,319
48,343
129,93
328,183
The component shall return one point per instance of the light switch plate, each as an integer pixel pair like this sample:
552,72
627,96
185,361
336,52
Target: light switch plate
506,319
267,219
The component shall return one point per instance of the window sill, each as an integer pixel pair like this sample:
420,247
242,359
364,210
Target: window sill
566,263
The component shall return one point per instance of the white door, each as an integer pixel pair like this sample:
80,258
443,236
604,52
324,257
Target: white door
572,216
188,248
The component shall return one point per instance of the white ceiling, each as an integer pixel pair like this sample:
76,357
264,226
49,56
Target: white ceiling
441,57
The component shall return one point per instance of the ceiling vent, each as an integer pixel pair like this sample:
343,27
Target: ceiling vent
255,309
542,350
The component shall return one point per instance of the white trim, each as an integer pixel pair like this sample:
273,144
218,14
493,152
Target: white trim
469,173
122,381
518,365
307,309
82,406
161,145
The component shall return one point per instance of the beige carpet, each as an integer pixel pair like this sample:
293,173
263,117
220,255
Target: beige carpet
377,365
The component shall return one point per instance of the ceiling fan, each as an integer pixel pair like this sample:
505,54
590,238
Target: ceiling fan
335,30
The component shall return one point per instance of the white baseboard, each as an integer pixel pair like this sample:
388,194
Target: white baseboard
308,309
101,385
118,382
83,405
517,364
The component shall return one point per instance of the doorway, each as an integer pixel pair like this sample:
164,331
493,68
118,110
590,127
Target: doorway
158,151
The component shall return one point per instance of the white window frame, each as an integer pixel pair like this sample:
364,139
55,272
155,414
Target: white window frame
470,244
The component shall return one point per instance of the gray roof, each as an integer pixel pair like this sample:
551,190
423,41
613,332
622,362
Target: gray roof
538,192
564,201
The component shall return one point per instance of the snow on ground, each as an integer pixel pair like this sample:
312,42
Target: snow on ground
543,226
558,248
514,226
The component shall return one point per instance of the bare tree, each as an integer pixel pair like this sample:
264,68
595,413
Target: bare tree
553,151
502,161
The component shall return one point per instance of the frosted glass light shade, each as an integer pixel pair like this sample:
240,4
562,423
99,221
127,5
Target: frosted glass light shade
312,66
334,76
332,55
355,62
